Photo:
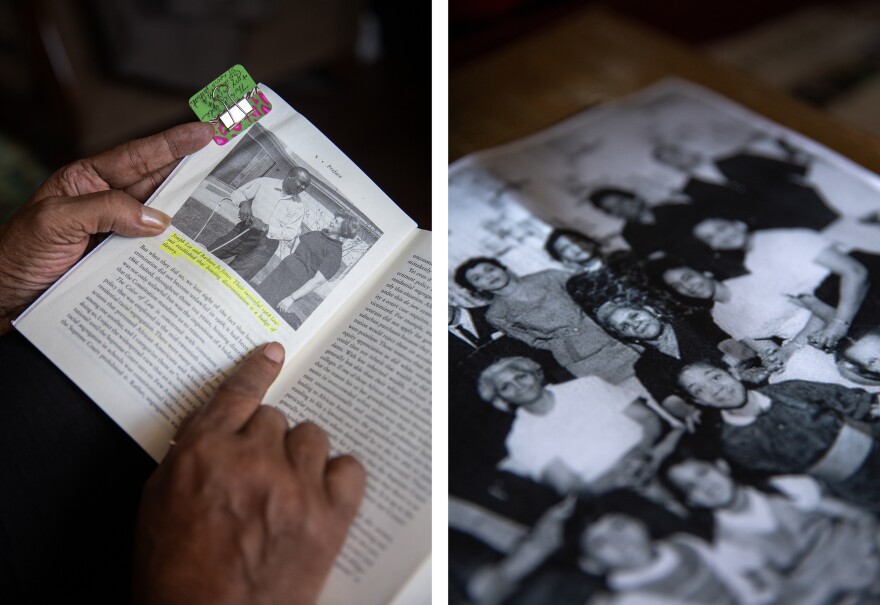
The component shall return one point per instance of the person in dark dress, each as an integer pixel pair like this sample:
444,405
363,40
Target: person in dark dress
824,430
782,197
315,261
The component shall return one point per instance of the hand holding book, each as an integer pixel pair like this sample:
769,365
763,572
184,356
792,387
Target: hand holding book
95,195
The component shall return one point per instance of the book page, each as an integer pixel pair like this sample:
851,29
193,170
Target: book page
667,307
368,384
271,234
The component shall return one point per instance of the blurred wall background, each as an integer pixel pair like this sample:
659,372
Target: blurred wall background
78,77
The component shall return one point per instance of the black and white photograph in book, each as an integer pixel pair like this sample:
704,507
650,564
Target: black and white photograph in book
664,354
291,235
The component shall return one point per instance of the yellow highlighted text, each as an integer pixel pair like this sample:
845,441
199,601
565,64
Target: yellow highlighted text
176,246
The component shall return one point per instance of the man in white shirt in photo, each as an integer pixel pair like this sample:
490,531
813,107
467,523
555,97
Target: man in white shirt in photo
269,210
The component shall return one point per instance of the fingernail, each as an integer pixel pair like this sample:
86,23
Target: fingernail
154,219
274,351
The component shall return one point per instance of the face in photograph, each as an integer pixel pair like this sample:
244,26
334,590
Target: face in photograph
690,282
635,323
677,157
574,250
617,542
722,234
703,483
712,387
516,386
621,205
487,277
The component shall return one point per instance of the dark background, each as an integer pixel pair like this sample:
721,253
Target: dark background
81,76
478,26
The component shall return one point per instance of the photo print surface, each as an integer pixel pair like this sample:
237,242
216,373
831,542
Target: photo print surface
664,361
286,231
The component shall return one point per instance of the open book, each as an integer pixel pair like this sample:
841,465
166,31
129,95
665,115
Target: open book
331,268
664,340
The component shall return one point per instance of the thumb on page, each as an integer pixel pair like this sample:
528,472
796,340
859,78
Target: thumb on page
115,211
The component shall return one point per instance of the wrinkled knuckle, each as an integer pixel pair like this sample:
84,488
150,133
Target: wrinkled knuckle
136,159
155,179
69,176
172,144
236,390
48,216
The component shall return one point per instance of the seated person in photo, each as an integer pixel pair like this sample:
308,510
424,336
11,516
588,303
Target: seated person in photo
827,431
703,294
315,261
647,327
642,560
598,277
783,263
537,310
582,435
698,290
269,210
783,541
667,341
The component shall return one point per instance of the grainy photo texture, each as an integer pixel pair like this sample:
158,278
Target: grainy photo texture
664,353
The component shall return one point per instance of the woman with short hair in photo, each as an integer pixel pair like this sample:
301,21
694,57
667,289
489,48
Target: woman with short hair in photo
316,260
824,430
537,310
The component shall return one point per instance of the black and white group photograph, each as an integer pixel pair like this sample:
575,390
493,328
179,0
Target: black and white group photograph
664,362
267,214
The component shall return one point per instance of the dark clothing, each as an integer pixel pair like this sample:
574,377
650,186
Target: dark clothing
715,198
801,425
620,277
672,223
72,483
698,339
778,198
316,252
869,313
248,248
672,231
558,582
462,341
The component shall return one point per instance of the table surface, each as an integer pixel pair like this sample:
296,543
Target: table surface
595,56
